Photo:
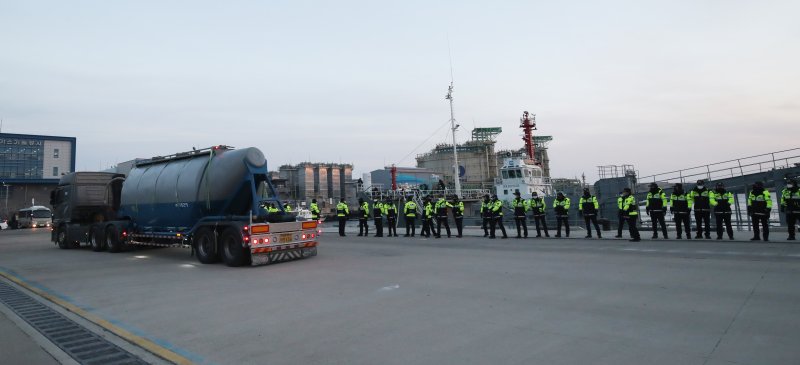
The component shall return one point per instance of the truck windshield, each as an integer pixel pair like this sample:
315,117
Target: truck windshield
41,213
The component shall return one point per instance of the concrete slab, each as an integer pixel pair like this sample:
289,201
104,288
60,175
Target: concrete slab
448,301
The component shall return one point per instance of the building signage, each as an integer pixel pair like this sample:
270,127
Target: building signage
20,142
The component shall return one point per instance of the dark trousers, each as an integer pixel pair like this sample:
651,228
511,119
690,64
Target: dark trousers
621,222
562,219
391,223
410,226
485,222
378,227
439,221
522,226
342,221
723,218
656,218
699,218
682,219
632,229
363,227
427,226
495,223
791,221
459,225
761,219
593,219
540,219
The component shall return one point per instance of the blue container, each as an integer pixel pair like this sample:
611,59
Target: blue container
177,193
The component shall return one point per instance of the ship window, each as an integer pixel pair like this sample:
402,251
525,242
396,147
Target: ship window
505,174
527,173
505,192
519,173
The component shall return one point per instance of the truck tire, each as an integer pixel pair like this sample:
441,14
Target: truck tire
112,240
233,253
61,238
97,240
205,244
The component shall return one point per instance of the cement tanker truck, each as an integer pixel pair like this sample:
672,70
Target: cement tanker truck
210,200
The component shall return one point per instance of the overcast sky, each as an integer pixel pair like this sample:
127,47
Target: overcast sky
661,85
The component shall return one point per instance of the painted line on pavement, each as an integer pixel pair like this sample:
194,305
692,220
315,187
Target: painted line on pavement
142,342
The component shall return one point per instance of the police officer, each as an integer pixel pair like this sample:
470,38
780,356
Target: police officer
702,208
441,216
680,205
621,219
486,214
538,206
790,205
287,207
458,214
377,217
656,208
314,208
631,210
587,207
561,207
520,210
390,211
721,201
410,211
759,204
427,217
363,217
496,209
342,211
272,209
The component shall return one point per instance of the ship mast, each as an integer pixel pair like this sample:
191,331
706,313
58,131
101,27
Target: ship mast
528,125
453,127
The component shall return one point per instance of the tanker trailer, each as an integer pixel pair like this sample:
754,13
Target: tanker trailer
209,199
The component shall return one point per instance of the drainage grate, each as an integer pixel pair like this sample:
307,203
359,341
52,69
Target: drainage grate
83,345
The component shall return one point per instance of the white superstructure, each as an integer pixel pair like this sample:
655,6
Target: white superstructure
520,174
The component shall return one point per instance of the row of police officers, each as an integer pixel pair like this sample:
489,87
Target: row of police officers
701,201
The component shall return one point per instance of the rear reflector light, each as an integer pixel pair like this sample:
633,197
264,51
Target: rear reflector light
266,240
303,236
255,241
313,235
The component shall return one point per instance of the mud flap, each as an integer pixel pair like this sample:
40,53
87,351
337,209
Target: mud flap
281,256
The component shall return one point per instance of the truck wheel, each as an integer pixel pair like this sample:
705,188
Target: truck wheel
232,251
61,238
112,240
206,246
97,241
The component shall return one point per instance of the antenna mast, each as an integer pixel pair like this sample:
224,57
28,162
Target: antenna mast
453,125
528,125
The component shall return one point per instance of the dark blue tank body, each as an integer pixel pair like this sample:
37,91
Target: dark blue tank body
174,195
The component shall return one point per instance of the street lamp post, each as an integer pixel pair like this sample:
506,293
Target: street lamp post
6,210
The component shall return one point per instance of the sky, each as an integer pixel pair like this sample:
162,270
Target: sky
660,85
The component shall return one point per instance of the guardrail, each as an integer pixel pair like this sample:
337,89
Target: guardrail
731,168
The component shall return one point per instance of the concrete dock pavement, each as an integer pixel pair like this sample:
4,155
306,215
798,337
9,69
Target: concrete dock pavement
20,347
366,300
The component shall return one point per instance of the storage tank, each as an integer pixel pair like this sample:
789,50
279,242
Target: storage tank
174,193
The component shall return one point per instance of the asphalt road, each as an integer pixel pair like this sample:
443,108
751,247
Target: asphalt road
447,301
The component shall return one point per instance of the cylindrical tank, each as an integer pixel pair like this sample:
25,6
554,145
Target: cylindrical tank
175,193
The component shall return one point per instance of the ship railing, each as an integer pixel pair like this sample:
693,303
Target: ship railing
731,168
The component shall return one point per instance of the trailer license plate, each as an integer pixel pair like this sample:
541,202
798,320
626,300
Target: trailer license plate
286,238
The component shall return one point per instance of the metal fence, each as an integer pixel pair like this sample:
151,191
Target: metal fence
731,168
